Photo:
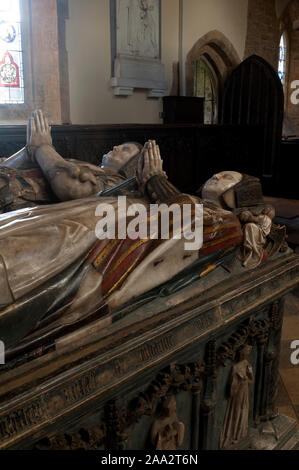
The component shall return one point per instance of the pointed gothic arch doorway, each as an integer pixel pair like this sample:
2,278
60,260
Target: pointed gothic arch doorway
208,65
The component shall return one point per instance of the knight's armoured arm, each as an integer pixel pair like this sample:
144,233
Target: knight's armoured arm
155,185
67,180
63,176
151,177
159,189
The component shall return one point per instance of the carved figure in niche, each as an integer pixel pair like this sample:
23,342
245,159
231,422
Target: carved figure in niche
64,274
235,425
167,432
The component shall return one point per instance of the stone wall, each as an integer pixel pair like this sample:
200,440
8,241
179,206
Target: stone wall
41,64
263,33
264,30
288,23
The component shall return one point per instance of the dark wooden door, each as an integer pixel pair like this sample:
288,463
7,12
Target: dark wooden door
254,95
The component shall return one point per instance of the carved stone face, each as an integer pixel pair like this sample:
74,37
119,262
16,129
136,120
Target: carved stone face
119,156
169,404
245,352
219,184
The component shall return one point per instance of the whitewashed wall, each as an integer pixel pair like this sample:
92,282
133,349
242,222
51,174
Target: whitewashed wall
88,44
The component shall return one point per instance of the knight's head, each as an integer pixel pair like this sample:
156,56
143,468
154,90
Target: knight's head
122,156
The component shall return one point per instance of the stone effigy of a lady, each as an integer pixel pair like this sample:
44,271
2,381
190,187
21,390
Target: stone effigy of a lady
55,269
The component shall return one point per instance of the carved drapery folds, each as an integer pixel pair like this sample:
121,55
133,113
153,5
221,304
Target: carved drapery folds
266,334
235,425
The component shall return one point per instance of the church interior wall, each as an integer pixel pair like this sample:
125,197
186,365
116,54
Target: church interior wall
228,17
85,95
88,44
263,33
89,53
289,24
267,21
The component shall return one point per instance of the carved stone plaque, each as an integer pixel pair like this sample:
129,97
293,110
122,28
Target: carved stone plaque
136,47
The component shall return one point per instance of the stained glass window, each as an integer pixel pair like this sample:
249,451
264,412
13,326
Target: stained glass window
204,87
282,59
11,61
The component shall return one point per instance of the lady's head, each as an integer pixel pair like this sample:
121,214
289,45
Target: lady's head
221,186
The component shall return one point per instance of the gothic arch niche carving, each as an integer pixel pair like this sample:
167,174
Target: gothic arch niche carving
220,56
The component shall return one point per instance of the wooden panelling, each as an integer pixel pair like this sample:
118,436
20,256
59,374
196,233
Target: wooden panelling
191,153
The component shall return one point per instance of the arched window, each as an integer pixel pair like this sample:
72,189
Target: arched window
282,62
32,48
204,87
11,53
